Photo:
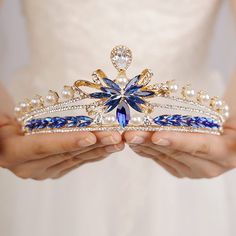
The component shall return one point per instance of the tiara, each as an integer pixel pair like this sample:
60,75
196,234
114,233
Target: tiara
123,104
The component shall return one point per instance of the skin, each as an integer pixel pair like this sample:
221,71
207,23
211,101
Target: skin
192,155
45,156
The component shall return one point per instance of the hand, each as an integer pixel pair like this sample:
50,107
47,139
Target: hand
188,154
45,156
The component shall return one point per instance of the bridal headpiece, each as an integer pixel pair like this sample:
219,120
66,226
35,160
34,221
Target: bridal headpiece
123,104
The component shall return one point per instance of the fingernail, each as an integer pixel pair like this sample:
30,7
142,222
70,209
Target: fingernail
137,140
110,140
87,142
162,142
113,148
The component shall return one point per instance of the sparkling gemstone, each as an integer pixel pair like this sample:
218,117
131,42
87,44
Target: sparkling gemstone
110,91
136,99
112,84
132,82
144,93
132,89
71,121
123,114
133,104
121,57
84,124
112,103
100,95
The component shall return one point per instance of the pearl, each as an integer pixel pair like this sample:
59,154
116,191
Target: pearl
17,110
226,114
25,106
216,103
225,108
172,86
36,101
52,97
110,119
67,92
188,92
122,80
136,120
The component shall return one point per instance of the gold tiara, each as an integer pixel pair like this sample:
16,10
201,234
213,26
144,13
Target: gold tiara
123,104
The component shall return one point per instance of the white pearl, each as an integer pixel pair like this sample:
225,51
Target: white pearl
226,114
67,92
121,81
225,108
52,97
173,87
17,110
36,101
24,106
136,120
190,93
218,104
203,97
110,119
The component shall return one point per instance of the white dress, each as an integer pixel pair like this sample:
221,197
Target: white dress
124,195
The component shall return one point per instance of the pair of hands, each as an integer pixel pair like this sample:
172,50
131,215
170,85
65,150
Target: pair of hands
45,156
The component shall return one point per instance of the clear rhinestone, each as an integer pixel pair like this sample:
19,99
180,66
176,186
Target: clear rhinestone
121,57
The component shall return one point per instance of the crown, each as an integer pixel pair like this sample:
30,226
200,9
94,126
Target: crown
123,104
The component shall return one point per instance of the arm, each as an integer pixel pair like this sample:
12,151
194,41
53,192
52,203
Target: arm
49,155
192,155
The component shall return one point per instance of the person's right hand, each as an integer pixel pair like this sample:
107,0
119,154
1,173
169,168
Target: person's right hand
43,156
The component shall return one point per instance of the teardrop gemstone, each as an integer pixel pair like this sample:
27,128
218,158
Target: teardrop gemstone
123,114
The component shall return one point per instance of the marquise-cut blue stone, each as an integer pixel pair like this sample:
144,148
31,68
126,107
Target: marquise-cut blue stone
144,93
133,104
71,121
84,118
100,95
132,82
84,124
112,103
43,124
112,84
136,99
110,91
123,114
60,122
132,90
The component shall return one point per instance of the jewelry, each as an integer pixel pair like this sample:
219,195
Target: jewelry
123,104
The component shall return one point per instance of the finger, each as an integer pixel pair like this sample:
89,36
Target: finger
181,168
108,137
207,146
88,156
137,137
41,145
198,166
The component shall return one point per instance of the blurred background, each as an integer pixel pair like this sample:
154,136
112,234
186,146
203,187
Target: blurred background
14,51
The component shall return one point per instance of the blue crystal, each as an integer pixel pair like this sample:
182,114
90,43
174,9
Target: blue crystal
136,99
133,104
132,82
132,89
110,91
60,122
100,95
71,121
112,103
43,124
84,124
144,93
84,118
123,114
112,84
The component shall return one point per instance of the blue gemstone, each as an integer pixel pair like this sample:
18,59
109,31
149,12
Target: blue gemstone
136,99
112,84
133,104
60,122
144,93
100,95
112,103
110,91
123,114
71,121
43,124
132,89
84,124
84,118
132,82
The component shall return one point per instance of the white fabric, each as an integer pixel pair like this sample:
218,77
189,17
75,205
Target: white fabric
124,194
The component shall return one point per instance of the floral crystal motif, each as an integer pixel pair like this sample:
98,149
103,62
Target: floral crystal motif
131,96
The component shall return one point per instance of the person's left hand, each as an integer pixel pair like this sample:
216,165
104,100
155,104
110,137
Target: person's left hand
190,155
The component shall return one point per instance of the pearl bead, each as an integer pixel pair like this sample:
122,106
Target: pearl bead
17,110
226,114
110,119
172,86
122,81
203,97
67,92
25,106
188,92
52,97
36,101
218,104
136,120
225,108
